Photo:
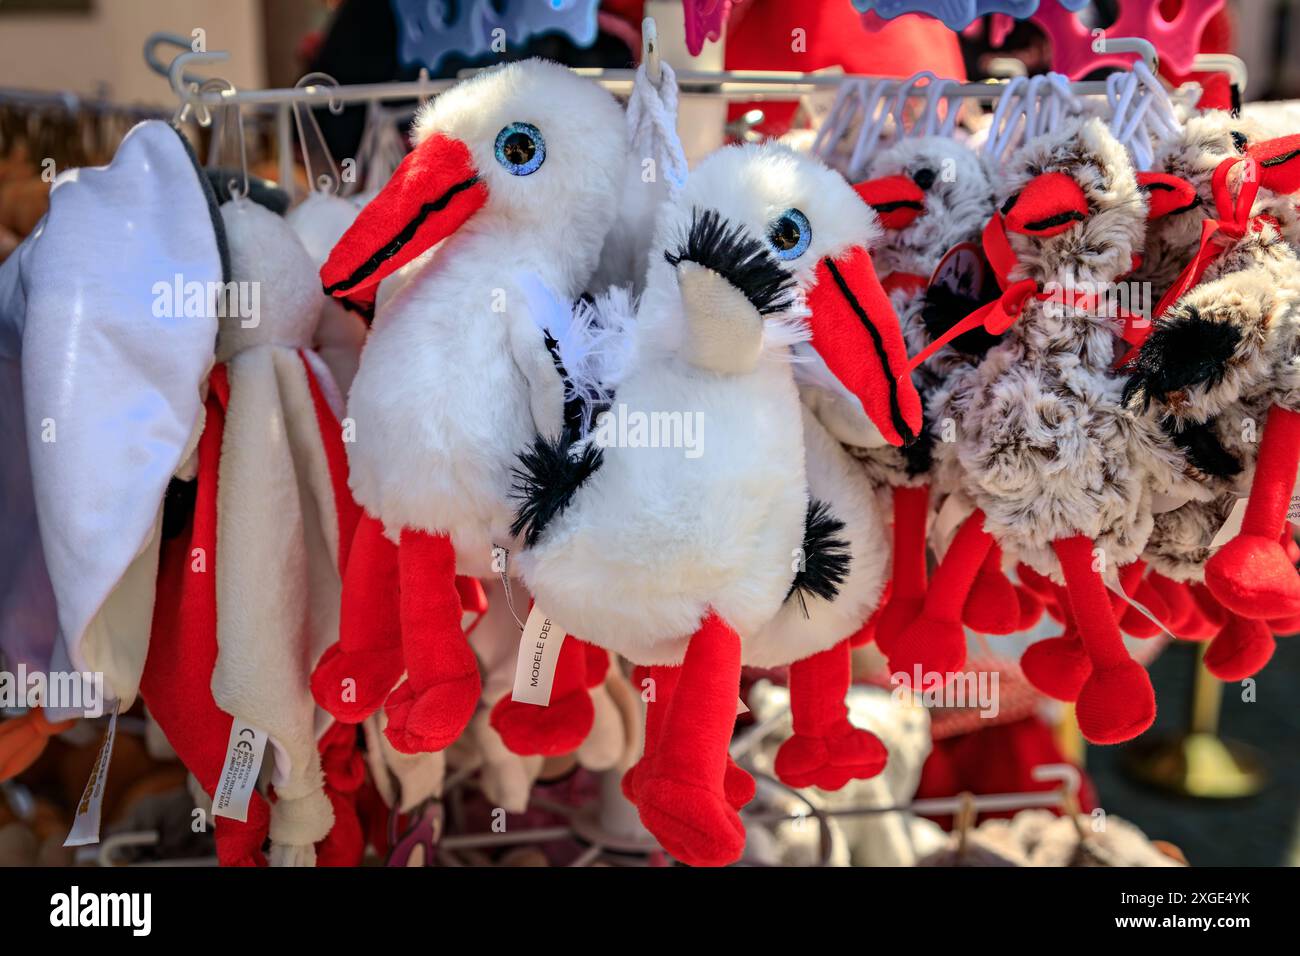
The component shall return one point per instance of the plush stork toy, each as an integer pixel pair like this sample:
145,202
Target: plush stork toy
1216,370
676,562
931,193
1044,448
517,170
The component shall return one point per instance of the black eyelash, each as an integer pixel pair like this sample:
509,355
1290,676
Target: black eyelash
738,257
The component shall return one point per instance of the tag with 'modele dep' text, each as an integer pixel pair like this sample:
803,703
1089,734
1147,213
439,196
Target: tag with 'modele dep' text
539,652
239,773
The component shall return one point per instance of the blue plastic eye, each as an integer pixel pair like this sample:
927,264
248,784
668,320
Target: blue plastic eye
521,149
790,234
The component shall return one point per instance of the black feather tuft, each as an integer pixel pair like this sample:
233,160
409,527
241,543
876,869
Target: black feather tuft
547,477
1203,448
918,456
738,257
826,557
1183,351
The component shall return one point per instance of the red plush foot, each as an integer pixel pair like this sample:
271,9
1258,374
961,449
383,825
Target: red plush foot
1031,608
894,619
432,720
737,784
1285,626
829,762
1057,667
351,685
559,728
992,607
930,645
1241,649
694,824
1252,576
1116,704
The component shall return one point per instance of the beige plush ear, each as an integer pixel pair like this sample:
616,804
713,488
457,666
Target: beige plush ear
631,713
506,778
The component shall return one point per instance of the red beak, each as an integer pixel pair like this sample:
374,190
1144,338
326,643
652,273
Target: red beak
897,200
855,331
1167,195
1048,206
1279,163
433,193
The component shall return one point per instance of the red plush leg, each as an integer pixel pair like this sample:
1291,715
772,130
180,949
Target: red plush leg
738,785
597,663
1042,588
344,772
177,681
561,726
907,586
433,705
936,642
1240,649
1182,609
1137,584
1030,608
1116,702
682,801
992,606
1251,575
1057,666
355,675
826,750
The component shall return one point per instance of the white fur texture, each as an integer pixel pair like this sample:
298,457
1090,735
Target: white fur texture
800,630
655,539
440,405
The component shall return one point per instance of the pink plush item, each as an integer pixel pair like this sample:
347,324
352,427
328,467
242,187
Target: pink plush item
1252,575
826,751
935,643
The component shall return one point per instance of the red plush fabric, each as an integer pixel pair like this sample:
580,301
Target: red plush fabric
855,331
992,607
344,773
1116,702
867,632
1133,622
1240,649
997,759
907,586
826,750
597,663
760,37
433,705
1251,575
682,800
438,171
1057,666
23,739
177,682
560,727
354,677
936,641
1050,204
1031,608
347,510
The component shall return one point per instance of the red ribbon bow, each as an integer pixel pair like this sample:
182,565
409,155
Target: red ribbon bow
1000,314
1234,221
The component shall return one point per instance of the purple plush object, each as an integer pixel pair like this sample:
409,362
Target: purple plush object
427,33
957,14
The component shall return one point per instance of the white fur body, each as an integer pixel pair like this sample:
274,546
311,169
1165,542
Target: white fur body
655,539
445,399
800,630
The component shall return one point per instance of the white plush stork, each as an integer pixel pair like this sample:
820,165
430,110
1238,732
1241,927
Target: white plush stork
675,558
516,171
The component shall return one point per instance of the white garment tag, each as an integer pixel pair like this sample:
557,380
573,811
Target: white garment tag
740,707
952,514
1231,526
85,825
239,773
539,652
